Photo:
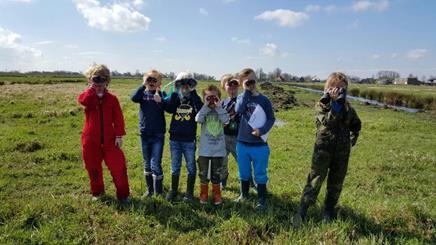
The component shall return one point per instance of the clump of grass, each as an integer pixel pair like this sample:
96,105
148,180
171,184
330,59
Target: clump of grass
30,146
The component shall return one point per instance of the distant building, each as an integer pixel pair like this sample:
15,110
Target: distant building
384,81
431,81
407,81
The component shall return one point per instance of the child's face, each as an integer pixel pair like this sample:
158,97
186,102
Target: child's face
232,87
185,89
152,83
211,98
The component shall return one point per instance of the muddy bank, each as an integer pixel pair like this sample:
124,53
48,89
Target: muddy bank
280,98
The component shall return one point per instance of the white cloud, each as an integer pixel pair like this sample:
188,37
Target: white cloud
90,53
312,8
284,17
203,12
138,3
394,55
376,56
330,8
271,49
161,39
116,17
418,53
240,40
365,5
44,42
11,43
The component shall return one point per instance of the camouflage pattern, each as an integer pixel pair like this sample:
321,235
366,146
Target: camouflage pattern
336,134
216,169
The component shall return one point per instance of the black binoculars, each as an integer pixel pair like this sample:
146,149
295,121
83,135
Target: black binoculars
249,82
98,79
190,82
342,95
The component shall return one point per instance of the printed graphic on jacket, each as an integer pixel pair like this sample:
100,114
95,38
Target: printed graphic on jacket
183,112
250,108
214,126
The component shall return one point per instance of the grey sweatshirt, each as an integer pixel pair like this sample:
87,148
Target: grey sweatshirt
212,143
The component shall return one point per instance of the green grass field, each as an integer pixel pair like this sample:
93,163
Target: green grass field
388,197
414,96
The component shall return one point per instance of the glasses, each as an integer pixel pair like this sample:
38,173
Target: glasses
249,82
212,98
233,83
151,80
98,79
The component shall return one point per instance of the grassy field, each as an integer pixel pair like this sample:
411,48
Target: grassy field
389,193
419,97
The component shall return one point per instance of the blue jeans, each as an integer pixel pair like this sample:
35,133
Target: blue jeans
152,149
187,149
259,156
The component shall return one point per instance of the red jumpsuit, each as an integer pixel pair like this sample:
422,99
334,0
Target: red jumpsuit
103,122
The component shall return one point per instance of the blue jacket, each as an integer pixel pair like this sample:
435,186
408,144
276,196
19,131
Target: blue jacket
245,105
151,113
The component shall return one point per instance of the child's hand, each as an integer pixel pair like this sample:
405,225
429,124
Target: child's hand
157,97
256,132
118,142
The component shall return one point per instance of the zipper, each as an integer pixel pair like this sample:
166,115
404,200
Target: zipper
101,122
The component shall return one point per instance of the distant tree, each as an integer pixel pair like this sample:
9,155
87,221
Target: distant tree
391,75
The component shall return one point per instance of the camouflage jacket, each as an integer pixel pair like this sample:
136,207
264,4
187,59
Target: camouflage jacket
341,127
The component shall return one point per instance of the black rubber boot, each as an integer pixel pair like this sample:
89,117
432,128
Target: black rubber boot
261,193
245,186
158,186
174,188
189,196
150,186
301,214
329,208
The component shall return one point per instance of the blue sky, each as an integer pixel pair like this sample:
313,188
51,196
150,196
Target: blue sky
220,36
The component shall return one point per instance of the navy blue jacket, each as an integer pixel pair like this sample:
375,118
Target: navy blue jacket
183,126
151,113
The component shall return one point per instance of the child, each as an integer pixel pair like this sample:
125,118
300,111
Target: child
102,134
212,118
184,105
231,85
251,148
152,129
338,128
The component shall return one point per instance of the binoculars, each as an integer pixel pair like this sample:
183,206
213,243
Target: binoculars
212,99
342,94
151,80
99,79
190,82
249,82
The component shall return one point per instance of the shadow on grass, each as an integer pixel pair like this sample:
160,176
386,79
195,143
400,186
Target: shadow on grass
264,225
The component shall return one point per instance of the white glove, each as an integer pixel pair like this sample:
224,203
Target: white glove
119,142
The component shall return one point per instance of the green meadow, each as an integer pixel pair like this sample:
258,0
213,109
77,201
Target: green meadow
388,196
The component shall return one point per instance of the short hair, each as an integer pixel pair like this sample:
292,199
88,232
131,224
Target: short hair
335,79
153,73
247,73
212,87
99,70
227,78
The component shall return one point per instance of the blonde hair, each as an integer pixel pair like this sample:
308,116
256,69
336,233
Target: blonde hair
212,87
99,70
227,78
247,74
335,79
153,73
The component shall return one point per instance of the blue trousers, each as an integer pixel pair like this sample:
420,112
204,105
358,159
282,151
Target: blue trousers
152,149
186,149
256,155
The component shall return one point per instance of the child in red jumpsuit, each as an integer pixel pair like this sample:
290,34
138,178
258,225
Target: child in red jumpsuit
102,134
